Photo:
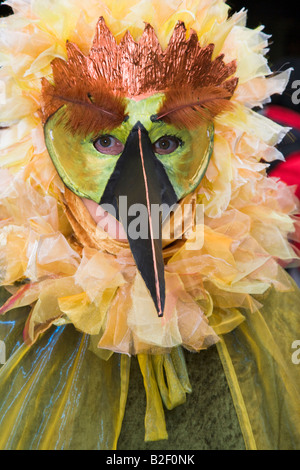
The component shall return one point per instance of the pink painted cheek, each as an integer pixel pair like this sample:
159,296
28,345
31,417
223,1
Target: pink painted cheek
105,221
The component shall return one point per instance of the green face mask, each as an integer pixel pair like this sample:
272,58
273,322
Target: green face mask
85,163
153,149
145,159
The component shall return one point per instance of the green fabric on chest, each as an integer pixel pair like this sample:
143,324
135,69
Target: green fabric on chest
207,421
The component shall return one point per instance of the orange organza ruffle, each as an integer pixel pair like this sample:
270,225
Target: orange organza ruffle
213,271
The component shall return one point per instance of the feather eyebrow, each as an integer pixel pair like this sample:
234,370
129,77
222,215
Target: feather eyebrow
195,104
87,104
91,105
190,108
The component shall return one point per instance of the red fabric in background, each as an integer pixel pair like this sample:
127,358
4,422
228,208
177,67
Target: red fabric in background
289,170
284,116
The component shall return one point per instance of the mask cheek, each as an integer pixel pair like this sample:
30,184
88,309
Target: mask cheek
80,166
105,220
187,165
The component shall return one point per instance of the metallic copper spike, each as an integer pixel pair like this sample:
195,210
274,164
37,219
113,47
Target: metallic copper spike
133,68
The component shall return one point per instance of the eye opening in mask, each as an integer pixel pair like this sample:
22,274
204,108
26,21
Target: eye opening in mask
108,144
167,144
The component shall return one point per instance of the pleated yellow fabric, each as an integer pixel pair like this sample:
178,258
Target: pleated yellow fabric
57,394
264,379
166,382
48,390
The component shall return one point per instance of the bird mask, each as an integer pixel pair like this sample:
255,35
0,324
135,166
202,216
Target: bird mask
130,127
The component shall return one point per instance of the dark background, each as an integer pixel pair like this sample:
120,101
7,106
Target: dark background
280,19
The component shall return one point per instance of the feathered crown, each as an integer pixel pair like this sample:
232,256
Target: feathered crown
185,71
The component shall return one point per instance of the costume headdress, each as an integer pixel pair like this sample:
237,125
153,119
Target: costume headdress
156,107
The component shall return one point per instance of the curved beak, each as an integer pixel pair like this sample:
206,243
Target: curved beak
141,178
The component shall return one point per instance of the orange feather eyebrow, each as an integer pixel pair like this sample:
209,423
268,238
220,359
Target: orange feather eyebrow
87,104
191,108
184,106
105,112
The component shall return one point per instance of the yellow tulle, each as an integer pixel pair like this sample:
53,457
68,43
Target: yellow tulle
44,390
263,377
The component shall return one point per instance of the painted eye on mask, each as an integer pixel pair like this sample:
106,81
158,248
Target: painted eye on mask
109,145
166,144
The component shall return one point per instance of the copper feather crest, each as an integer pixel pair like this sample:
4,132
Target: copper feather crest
100,81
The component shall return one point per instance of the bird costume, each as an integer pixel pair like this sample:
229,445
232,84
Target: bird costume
149,103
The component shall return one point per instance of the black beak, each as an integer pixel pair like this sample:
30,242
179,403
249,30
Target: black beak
141,177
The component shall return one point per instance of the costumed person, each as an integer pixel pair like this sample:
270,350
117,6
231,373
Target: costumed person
148,103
